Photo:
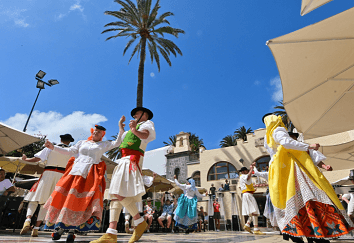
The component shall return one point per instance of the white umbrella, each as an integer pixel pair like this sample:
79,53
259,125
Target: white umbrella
309,5
316,67
12,139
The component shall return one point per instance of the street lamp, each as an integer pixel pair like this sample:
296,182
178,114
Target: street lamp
40,86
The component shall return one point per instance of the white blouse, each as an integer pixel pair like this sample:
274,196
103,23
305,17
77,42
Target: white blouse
281,137
89,153
188,192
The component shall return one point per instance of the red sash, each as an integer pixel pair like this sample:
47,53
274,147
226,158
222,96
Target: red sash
134,158
35,185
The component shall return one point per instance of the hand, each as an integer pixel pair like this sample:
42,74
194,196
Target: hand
254,164
24,157
175,176
49,145
327,167
314,146
121,123
154,174
132,125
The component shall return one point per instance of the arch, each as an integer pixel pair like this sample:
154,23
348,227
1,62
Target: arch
262,162
181,142
196,178
177,172
222,170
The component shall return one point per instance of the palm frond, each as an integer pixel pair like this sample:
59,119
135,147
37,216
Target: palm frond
164,54
130,42
135,50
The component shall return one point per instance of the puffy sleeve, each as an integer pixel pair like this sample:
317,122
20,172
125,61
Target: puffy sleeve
149,126
198,194
148,180
73,150
260,174
113,144
182,186
316,156
243,179
43,154
282,137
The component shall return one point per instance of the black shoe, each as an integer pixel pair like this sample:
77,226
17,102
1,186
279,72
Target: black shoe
187,232
70,238
56,236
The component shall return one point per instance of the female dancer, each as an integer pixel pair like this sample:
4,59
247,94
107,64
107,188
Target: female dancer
305,203
77,201
186,212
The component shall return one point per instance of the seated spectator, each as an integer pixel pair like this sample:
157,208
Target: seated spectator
212,190
167,211
148,213
227,185
221,188
6,186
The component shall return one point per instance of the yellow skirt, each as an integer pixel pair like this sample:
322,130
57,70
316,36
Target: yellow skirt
305,203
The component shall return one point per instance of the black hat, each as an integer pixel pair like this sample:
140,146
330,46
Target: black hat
243,169
100,127
132,113
294,134
67,137
268,114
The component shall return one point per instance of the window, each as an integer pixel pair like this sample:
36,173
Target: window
262,163
177,172
222,170
196,178
181,142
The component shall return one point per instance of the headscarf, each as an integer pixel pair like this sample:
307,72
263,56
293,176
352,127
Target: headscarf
272,122
92,130
192,182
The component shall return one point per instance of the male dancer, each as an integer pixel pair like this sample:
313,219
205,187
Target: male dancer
127,184
249,204
41,190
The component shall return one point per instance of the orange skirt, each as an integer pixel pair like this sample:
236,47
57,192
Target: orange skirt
75,199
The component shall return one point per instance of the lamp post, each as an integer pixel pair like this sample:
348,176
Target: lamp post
40,85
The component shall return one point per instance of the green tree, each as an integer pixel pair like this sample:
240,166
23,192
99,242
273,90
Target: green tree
172,141
194,141
142,23
114,153
242,133
280,111
229,140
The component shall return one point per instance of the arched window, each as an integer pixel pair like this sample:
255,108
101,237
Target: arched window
222,170
177,170
262,163
181,142
196,177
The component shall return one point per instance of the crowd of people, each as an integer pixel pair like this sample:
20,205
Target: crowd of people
300,201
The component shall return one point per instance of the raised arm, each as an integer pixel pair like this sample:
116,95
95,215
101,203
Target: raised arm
282,137
113,144
68,151
249,175
162,198
260,174
182,186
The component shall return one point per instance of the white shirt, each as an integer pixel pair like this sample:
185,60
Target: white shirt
244,181
261,174
53,158
4,185
188,192
89,153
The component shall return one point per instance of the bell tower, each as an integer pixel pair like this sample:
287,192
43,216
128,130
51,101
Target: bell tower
182,143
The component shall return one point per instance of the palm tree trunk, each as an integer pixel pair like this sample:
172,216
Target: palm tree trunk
139,97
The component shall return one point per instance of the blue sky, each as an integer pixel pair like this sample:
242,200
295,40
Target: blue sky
226,78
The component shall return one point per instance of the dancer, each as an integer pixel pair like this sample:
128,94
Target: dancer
43,188
249,204
77,201
186,212
127,185
305,203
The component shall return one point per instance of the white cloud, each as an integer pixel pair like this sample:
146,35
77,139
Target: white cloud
21,22
257,82
76,6
277,89
53,124
16,16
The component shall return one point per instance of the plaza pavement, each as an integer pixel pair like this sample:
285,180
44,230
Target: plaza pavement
209,236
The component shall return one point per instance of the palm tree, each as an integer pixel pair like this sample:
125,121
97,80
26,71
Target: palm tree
172,141
282,112
194,141
242,133
229,140
141,22
114,153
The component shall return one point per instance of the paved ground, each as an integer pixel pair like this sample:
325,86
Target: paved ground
220,237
